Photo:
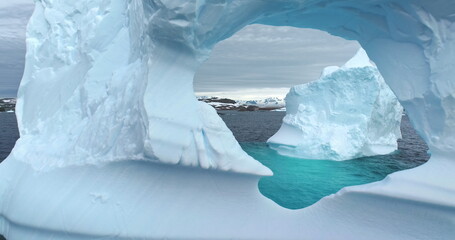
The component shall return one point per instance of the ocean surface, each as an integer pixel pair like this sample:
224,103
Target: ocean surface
8,133
297,183
8,136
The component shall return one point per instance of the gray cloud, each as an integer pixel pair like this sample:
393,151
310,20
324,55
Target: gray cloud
258,58
13,21
271,57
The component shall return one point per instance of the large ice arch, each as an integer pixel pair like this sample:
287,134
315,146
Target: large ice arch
107,82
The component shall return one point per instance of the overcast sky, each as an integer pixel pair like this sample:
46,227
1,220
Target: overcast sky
259,61
263,61
14,15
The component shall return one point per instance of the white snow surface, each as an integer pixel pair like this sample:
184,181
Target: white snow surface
102,155
270,102
349,112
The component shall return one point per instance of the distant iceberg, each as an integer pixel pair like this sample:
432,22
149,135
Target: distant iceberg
349,112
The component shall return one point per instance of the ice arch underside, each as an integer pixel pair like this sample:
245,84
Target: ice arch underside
91,100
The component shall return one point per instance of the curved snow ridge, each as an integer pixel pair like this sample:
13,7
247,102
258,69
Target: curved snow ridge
165,191
143,200
348,113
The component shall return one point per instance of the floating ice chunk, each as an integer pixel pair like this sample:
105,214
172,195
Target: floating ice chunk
348,113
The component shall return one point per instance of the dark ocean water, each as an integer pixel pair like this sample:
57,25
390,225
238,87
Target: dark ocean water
8,133
255,126
8,136
298,183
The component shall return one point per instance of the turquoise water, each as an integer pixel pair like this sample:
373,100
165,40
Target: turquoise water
298,183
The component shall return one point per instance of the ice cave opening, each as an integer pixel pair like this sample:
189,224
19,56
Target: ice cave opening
246,79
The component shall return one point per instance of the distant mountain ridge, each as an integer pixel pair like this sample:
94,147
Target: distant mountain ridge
267,104
7,104
270,103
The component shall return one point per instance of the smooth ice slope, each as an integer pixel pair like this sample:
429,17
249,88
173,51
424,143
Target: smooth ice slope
349,112
91,102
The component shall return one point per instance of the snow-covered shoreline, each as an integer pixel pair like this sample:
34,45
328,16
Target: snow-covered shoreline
266,104
7,105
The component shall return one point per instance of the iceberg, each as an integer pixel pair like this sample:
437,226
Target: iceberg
101,155
349,112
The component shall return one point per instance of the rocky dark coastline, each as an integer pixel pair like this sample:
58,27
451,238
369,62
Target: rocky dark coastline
243,106
7,104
